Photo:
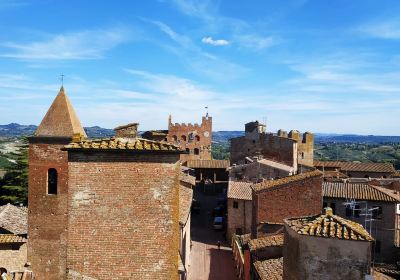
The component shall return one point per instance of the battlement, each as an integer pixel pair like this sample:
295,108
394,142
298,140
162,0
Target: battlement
205,121
306,137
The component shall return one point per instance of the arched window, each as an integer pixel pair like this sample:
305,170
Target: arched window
174,138
197,138
302,155
52,181
183,137
196,151
191,137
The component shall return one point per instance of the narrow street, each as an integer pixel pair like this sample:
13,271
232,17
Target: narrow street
206,261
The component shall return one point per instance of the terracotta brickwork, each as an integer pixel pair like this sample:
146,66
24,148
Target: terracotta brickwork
194,138
47,216
294,198
123,215
13,256
291,149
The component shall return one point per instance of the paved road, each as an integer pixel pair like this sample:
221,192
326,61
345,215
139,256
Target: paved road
206,261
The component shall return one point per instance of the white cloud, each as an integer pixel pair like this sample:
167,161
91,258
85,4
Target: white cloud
255,42
89,44
383,30
218,42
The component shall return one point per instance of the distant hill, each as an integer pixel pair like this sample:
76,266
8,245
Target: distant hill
17,130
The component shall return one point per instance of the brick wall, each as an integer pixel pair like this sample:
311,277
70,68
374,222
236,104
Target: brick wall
202,134
13,260
47,214
293,199
123,216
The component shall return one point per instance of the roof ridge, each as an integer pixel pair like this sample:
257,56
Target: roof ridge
283,181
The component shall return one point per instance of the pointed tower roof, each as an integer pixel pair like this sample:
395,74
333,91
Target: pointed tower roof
61,119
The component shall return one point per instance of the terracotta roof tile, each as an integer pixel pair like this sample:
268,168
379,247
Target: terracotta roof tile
14,219
388,269
358,191
239,190
272,183
357,166
11,238
60,119
329,226
137,144
271,269
202,163
266,241
185,202
396,174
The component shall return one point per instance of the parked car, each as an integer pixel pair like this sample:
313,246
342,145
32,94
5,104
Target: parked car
218,223
218,211
195,206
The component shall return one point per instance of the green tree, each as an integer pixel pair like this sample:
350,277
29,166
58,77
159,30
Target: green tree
14,185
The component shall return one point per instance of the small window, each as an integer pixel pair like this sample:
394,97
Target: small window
357,210
197,138
377,212
349,211
174,138
191,137
183,137
188,150
196,151
52,181
302,155
235,204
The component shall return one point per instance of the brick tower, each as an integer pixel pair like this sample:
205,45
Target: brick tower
48,189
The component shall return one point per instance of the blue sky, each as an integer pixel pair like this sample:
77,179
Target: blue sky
321,66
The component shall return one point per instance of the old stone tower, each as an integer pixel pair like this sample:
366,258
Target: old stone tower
194,138
101,209
48,189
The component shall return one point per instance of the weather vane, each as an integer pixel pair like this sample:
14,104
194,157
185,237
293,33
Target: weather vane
62,79
206,111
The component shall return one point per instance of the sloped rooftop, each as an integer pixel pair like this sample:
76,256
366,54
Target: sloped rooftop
13,219
239,190
11,238
358,192
185,203
137,144
271,269
357,166
329,226
266,241
212,164
283,181
61,119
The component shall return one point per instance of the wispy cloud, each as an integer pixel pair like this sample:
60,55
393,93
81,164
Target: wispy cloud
383,29
88,44
8,4
211,41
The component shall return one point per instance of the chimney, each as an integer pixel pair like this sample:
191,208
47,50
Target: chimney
126,131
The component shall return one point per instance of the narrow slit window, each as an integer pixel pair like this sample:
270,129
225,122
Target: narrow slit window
52,181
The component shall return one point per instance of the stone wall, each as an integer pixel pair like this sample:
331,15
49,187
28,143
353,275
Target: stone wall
280,149
193,138
293,199
309,257
13,257
47,214
239,217
123,215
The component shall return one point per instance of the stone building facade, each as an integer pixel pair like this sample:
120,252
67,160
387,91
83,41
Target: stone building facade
325,247
100,209
385,228
239,208
195,139
292,196
290,148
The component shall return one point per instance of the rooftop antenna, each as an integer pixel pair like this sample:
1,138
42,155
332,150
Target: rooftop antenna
62,79
206,111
